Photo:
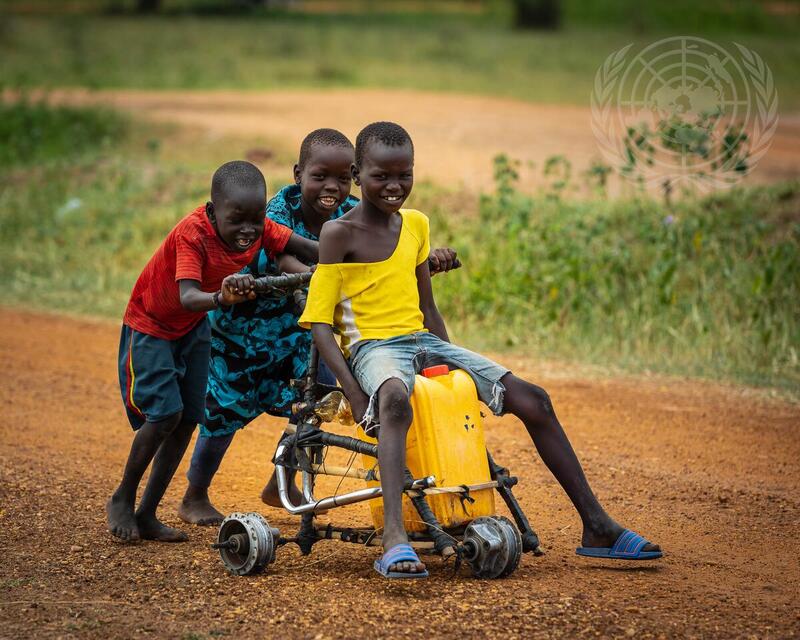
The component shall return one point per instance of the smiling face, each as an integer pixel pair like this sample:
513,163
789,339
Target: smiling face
325,179
386,175
238,217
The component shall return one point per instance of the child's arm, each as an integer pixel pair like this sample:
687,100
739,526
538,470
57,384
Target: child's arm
235,288
302,247
274,240
289,264
432,318
329,351
332,249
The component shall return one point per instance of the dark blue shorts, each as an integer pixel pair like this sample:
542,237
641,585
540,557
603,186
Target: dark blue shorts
158,378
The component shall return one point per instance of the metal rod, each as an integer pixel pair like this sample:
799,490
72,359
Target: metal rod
311,374
308,484
530,540
333,501
373,541
439,490
441,540
344,472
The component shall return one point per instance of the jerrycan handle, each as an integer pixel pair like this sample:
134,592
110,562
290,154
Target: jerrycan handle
438,370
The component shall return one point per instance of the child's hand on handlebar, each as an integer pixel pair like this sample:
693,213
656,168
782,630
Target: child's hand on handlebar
443,259
237,288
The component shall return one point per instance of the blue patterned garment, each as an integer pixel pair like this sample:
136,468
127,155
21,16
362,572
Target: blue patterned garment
257,346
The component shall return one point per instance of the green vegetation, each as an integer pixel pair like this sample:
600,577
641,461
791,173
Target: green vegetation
86,196
684,15
77,228
462,53
32,132
75,237
721,17
707,287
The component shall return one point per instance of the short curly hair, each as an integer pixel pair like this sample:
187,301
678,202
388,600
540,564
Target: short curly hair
237,173
388,133
321,137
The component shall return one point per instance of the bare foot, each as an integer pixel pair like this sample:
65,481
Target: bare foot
197,509
269,495
121,520
151,528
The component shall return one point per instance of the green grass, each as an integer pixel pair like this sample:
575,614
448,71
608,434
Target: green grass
77,226
31,132
278,51
708,288
687,16
74,237
710,292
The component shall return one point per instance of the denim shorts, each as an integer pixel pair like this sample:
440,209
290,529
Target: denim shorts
373,362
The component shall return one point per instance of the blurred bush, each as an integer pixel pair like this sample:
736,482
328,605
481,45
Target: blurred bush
704,286
35,132
708,287
537,14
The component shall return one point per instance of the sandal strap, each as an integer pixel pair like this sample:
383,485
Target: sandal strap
399,553
629,543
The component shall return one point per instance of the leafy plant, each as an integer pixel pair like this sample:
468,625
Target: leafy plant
689,149
706,288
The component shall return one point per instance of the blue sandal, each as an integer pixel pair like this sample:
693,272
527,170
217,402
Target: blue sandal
628,546
398,553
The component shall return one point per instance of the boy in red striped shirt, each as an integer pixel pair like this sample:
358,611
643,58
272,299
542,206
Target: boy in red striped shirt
164,346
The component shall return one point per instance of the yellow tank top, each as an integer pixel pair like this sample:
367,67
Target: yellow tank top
372,300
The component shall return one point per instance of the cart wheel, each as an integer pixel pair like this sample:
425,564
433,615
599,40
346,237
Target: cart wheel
246,543
492,547
515,549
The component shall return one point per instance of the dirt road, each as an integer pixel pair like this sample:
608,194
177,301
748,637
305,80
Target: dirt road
712,473
456,136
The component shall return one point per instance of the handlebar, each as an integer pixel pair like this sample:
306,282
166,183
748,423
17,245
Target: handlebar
293,282
285,282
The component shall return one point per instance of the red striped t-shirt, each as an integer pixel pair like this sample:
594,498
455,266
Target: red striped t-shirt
191,251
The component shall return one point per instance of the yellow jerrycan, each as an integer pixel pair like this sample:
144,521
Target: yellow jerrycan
445,440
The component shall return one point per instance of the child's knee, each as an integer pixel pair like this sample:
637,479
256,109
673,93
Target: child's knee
542,399
528,401
186,427
394,405
166,426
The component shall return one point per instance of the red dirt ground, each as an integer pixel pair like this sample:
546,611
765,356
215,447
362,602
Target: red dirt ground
708,471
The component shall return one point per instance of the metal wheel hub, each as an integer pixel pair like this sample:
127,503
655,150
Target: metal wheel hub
492,546
246,543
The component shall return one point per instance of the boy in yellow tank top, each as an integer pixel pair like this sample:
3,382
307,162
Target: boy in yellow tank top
373,286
